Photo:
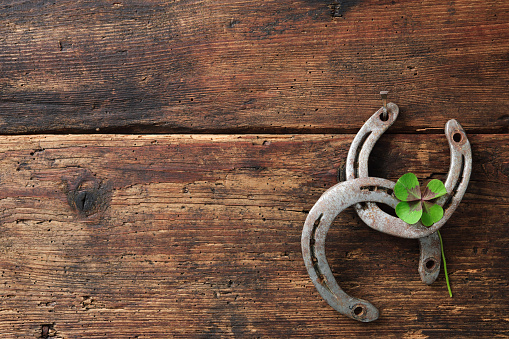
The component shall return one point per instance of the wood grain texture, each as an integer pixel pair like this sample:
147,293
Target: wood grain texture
199,236
235,66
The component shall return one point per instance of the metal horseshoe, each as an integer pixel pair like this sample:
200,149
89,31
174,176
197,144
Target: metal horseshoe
357,167
375,190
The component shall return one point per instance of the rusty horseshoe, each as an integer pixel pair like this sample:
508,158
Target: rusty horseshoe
359,188
370,213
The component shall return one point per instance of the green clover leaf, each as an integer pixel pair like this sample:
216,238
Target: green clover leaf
409,211
407,188
414,205
434,189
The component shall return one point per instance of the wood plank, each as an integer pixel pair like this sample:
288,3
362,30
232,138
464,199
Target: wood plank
235,66
199,236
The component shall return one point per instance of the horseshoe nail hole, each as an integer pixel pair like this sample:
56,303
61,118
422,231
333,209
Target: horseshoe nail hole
430,264
387,209
359,311
457,137
321,279
384,118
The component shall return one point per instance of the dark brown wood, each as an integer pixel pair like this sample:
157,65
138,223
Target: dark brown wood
199,236
246,66
157,236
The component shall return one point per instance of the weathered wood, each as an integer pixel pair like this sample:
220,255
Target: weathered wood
233,66
117,236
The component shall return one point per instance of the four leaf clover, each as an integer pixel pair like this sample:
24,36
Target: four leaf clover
415,205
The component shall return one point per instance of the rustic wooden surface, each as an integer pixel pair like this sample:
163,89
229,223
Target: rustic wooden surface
199,236
124,229
234,66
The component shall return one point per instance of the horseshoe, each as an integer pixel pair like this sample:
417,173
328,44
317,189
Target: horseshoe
357,166
375,190
320,217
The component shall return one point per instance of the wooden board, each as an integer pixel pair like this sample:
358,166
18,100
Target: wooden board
235,66
124,236
161,235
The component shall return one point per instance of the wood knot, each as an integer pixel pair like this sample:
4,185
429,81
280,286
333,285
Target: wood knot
88,195
84,200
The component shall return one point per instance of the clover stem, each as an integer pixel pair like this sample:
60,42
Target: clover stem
445,265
